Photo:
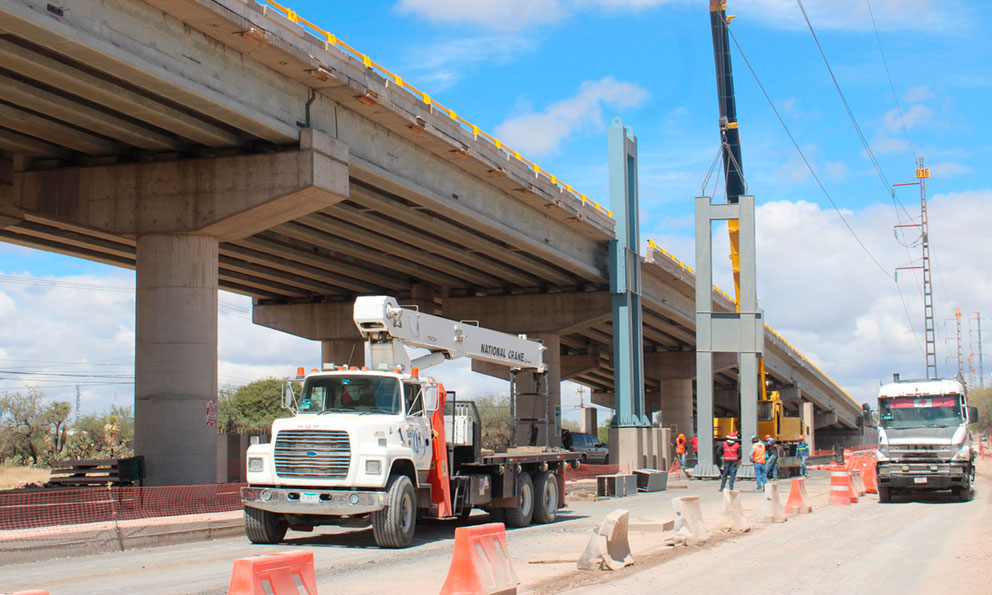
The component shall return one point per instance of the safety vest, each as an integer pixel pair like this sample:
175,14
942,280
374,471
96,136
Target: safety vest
802,450
680,445
758,453
731,451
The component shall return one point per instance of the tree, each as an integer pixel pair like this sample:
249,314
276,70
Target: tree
102,435
982,399
252,408
494,416
32,431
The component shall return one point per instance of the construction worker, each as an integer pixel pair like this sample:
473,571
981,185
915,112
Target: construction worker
730,454
771,463
680,450
758,458
802,451
694,443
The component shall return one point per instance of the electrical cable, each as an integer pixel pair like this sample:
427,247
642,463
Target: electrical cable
892,87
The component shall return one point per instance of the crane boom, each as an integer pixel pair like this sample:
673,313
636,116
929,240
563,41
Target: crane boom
390,328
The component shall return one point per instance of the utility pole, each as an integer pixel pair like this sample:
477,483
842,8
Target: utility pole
976,337
922,173
77,403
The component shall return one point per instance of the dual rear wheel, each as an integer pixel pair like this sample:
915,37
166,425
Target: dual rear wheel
536,501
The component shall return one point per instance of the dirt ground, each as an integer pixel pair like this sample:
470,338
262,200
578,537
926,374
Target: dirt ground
12,477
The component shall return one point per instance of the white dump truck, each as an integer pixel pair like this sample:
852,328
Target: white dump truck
923,441
381,445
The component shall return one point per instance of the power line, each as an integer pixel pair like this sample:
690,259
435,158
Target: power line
809,166
892,87
850,112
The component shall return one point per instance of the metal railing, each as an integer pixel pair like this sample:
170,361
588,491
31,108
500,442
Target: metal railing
427,100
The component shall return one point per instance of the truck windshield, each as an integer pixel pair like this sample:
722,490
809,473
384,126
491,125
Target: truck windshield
372,394
920,412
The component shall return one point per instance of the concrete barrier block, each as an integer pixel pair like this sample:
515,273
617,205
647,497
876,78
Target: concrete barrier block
651,480
689,524
771,510
732,518
608,547
616,486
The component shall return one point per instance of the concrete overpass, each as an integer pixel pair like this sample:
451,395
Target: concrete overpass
228,144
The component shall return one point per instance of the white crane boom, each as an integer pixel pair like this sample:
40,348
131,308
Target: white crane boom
389,328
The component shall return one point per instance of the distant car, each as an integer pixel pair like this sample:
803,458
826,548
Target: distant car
593,451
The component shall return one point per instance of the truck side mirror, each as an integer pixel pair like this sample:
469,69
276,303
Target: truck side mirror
973,415
430,398
288,397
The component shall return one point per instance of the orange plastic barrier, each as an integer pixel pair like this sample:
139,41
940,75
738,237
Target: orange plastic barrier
869,474
251,575
840,487
798,502
480,563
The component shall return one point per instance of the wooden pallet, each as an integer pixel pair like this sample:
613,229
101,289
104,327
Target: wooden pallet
94,472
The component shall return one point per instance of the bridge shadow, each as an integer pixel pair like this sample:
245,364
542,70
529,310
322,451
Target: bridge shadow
428,531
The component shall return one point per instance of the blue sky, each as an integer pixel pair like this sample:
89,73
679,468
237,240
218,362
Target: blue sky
547,76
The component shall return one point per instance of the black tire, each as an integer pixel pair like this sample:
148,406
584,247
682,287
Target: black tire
393,526
262,526
884,495
967,493
545,497
522,513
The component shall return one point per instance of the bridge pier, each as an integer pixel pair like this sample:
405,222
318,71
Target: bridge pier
175,376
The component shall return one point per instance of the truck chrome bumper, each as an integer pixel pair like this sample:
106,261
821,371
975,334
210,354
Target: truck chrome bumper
313,501
923,475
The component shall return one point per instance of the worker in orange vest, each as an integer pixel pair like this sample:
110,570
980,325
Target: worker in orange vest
758,458
680,450
730,454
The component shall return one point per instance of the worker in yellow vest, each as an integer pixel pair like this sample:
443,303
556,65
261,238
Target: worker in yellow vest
758,458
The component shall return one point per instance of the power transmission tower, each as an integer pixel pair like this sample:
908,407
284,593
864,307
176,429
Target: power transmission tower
922,173
77,403
960,358
976,345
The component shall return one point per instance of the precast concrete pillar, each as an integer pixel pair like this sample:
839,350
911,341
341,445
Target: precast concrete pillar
343,352
528,408
175,384
676,405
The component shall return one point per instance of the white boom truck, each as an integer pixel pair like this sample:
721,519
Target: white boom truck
379,445
923,438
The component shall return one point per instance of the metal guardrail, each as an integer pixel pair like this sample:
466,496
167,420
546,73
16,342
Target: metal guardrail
426,99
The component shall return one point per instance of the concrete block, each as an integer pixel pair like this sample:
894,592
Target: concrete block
608,547
732,518
616,486
771,510
689,526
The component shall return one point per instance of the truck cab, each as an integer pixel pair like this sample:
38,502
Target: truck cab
923,438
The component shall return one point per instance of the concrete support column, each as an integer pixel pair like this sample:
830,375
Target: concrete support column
533,407
676,406
175,385
588,424
807,413
342,352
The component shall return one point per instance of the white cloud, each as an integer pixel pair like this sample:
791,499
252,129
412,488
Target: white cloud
915,116
948,169
500,15
917,94
540,133
438,67
836,170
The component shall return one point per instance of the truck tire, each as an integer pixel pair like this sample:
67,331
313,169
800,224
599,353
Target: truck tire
545,497
967,493
262,526
884,495
393,526
522,513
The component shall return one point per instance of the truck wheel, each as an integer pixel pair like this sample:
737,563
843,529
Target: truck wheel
546,497
884,495
393,525
262,526
966,493
521,514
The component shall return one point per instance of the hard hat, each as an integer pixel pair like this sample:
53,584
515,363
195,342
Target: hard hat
754,438
767,436
732,436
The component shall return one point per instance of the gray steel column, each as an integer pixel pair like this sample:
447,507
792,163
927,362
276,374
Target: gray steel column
175,384
625,281
752,330
704,339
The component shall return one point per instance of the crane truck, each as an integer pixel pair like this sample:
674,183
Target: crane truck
381,445
923,441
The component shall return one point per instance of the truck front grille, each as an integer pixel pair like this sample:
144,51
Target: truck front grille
312,453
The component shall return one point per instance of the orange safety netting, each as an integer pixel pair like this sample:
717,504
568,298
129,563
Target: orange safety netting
56,507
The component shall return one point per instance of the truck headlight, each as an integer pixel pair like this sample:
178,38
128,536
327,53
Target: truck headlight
256,464
963,455
373,467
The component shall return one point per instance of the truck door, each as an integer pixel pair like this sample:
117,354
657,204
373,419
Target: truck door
417,431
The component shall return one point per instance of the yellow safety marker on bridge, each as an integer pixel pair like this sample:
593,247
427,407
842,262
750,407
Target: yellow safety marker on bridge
426,99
